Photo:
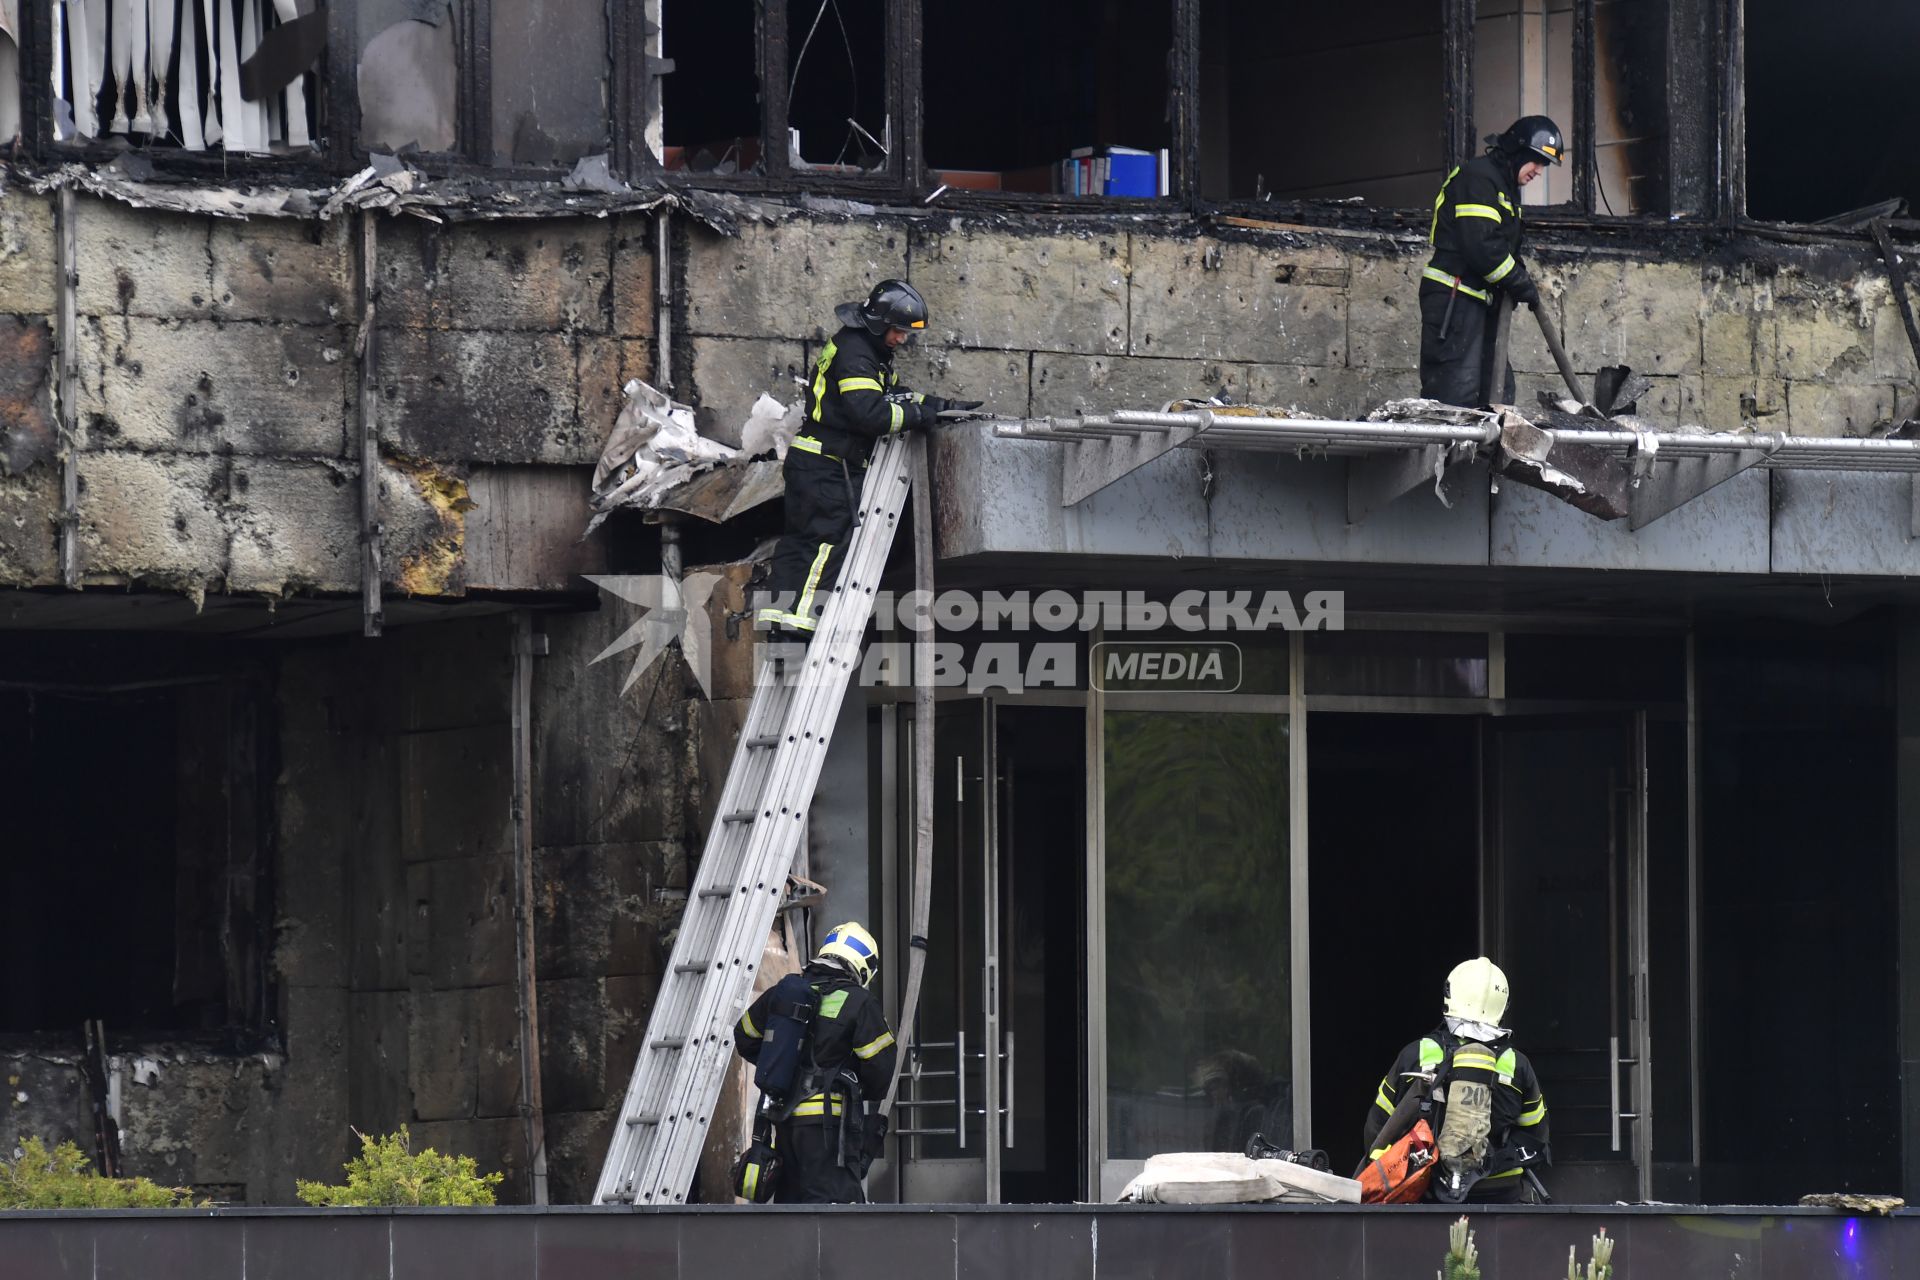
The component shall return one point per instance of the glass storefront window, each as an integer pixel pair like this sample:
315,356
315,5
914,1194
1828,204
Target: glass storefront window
1199,1035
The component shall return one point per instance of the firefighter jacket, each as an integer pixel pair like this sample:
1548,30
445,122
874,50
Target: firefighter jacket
1518,1138
849,1032
1476,231
855,398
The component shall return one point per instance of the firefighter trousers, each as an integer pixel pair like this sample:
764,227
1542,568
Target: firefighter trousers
1455,369
810,1168
806,562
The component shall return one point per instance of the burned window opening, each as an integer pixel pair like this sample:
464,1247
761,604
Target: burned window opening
839,117
1078,104
550,74
1322,102
1830,111
176,73
1523,65
710,112
407,75
1630,107
143,856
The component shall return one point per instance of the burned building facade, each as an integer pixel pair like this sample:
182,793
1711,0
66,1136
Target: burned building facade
328,815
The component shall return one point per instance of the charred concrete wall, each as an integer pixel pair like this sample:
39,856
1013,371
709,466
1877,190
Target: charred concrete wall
217,413
217,437
1085,315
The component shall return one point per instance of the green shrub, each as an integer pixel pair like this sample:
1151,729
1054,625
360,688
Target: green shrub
387,1172
64,1179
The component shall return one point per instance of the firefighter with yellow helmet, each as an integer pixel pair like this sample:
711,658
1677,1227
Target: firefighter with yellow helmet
1486,1103
822,1050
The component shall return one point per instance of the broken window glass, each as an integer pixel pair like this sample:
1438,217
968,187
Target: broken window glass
1831,112
1322,102
710,112
1078,103
1523,66
549,73
407,75
242,75
838,117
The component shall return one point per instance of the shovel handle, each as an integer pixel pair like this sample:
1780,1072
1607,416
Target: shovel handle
1559,355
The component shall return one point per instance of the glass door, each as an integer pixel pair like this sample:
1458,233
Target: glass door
1566,916
1194,1021
1005,947
948,1126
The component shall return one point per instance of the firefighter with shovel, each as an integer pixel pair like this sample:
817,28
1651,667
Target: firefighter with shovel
1476,235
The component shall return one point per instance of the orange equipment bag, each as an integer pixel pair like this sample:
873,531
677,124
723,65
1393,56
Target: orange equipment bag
1401,1174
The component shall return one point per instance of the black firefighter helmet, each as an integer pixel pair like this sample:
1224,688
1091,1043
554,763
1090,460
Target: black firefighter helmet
893,304
1533,138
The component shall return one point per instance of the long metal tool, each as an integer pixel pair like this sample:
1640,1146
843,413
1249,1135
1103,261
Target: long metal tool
1565,365
743,870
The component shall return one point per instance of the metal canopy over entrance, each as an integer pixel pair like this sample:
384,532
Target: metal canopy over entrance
1651,472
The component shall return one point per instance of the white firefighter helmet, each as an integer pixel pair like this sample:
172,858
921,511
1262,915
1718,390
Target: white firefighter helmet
1477,992
854,949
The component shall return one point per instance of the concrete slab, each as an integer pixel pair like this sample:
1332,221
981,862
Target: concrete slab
989,286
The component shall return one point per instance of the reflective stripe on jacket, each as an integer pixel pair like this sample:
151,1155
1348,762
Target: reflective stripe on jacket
1519,1107
853,398
1476,231
849,1030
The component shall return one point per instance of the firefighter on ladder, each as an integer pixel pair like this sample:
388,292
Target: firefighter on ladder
1476,242
1491,1116
854,399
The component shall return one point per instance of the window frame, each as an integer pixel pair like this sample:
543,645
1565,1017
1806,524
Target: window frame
1183,68
1711,130
213,164
1705,158
639,97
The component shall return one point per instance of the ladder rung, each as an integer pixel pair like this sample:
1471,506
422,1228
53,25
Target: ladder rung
640,1120
765,740
739,815
697,966
716,893
671,1042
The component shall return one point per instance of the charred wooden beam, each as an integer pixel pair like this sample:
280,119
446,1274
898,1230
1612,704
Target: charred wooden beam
1457,86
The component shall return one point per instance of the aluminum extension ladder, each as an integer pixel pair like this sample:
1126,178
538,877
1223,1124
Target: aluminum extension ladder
662,1125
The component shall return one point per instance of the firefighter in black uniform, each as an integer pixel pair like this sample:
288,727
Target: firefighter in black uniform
1492,1125
854,399
1476,243
823,1141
